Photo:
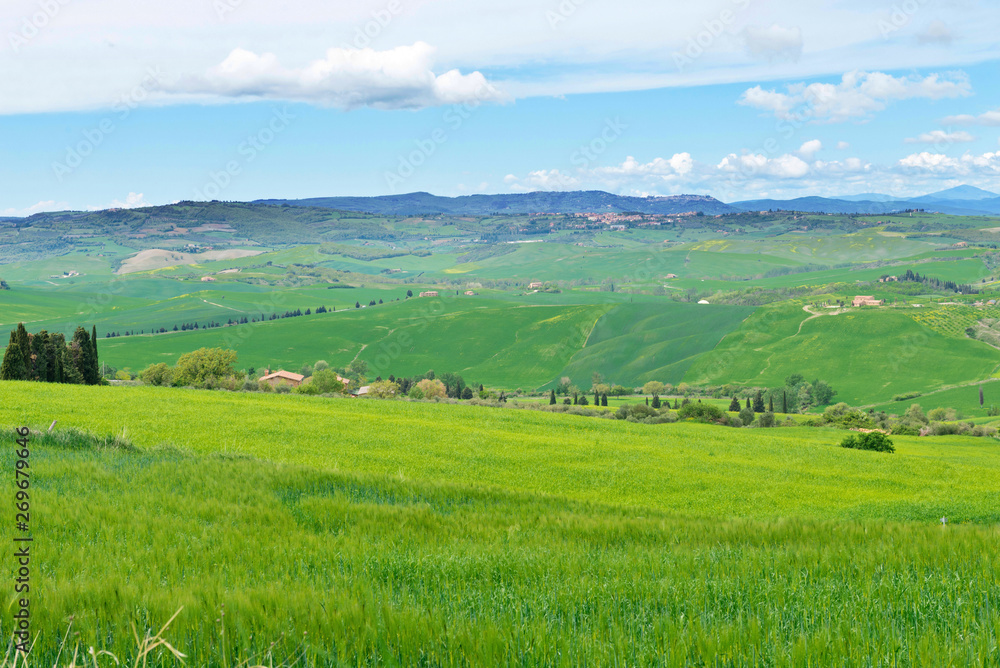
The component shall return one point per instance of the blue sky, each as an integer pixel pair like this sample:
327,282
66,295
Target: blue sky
118,105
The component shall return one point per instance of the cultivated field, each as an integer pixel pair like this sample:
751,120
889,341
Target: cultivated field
448,535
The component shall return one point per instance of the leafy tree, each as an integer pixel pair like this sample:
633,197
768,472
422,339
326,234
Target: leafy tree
320,365
193,368
822,393
409,293
653,387
747,416
734,405
325,381
383,389
431,388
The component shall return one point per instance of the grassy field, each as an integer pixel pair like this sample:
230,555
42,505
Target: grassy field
867,355
454,535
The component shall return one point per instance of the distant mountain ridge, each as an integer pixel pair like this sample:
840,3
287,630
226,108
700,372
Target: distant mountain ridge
590,201
961,201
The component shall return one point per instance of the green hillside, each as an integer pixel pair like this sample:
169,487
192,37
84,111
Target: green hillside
450,535
635,343
868,355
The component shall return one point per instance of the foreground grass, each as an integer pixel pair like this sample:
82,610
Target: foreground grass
281,563
698,470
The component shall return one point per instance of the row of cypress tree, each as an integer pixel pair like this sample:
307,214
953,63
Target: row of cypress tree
48,358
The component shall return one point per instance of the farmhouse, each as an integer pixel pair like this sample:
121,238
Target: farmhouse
279,377
470,293
867,300
534,285
671,275
207,279
429,293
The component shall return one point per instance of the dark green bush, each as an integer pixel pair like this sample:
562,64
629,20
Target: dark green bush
875,441
700,412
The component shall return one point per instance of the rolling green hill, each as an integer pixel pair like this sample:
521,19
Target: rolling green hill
635,343
867,355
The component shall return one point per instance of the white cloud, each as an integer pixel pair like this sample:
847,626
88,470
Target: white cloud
132,201
809,149
773,43
843,146
937,32
988,118
858,95
40,207
987,164
756,164
542,179
680,164
348,78
941,137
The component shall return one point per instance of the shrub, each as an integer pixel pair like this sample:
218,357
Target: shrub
283,388
157,374
766,419
746,416
875,441
700,412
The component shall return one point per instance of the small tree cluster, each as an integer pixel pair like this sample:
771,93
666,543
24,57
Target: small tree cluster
48,358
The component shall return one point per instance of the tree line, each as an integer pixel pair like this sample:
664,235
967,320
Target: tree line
189,326
49,358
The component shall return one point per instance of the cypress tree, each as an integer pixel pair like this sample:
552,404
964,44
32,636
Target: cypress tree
647,401
784,401
552,397
597,398
748,403
24,345
656,401
677,403
93,344
770,403
83,357
734,405
12,367
604,399
39,351
758,403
